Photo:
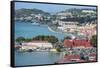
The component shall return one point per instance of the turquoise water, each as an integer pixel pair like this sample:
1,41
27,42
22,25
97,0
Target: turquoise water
28,30
36,58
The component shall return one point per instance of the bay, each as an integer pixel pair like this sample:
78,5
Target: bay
28,30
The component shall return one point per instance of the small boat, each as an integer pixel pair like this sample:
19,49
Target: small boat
35,23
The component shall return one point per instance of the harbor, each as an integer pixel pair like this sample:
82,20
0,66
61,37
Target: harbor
47,52
42,37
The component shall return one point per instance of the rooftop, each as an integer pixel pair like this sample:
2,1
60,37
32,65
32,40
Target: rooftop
37,41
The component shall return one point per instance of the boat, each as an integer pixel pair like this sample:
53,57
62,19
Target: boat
35,23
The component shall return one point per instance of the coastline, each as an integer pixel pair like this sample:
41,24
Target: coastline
50,29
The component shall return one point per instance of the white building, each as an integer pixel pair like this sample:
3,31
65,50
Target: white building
68,26
36,44
63,15
28,18
88,11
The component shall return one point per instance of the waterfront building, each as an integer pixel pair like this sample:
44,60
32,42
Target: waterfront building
67,26
28,18
36,44
77,42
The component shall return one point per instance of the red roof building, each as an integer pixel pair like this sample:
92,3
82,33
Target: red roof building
77,43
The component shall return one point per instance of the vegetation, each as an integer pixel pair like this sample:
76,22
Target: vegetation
51,39
94,40
58,44
58,49
22,39
68,37
27,12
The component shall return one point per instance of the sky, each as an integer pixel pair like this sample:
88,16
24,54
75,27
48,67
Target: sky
51,8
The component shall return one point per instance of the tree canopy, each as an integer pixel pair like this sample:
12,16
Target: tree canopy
94,40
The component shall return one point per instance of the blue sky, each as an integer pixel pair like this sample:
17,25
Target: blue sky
52,8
